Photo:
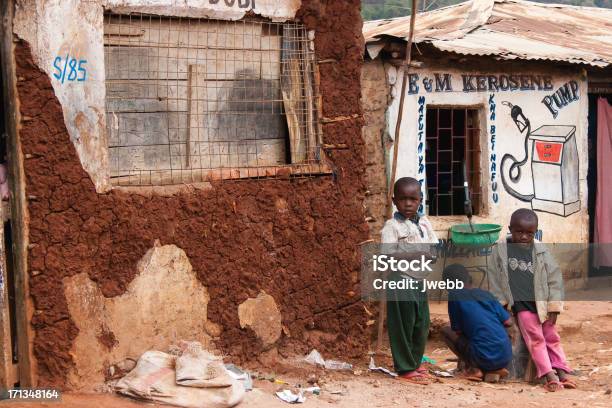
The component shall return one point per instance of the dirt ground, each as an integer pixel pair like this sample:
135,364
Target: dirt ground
586,330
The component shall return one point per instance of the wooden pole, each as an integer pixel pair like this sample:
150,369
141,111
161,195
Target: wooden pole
18,201
189,109
406,65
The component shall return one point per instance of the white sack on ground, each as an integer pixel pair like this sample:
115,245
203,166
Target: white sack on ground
199,368
154,379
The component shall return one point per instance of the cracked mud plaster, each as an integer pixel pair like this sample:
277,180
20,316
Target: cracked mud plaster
164,303
294,239
262,316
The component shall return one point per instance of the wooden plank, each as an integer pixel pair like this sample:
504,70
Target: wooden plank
217,65
112,30
18,202
239,153
270,64
318,103
134,63
311,134
167,177
145,63
192,33
134,129
249,108
147,160
146,96
136,158
291,86
189,97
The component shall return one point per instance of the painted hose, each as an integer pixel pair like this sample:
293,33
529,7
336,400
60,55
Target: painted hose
516,164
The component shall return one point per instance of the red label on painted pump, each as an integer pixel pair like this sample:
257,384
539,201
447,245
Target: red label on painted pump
548,152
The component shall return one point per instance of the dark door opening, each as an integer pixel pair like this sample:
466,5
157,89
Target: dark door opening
7,277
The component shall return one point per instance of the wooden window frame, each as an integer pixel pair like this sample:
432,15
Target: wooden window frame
300,101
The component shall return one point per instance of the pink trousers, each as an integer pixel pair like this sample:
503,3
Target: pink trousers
543,343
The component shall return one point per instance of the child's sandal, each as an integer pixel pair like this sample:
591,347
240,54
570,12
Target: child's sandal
424,372
414,377
496,376
569,384
553,386
473,375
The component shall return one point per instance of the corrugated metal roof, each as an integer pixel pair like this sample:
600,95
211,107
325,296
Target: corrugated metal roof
509,29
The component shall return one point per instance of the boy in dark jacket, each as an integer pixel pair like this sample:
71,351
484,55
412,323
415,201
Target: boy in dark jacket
477,332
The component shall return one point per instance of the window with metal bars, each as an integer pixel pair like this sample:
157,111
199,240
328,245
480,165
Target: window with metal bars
452,139
191,100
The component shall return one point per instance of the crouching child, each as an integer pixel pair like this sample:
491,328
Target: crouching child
477,333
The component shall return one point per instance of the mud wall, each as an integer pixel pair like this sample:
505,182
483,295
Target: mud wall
60,32
295,239
375,98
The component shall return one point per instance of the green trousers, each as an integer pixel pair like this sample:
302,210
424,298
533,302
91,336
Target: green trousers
408,326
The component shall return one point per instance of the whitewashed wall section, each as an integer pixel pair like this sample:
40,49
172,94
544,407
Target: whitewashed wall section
553,179
66,37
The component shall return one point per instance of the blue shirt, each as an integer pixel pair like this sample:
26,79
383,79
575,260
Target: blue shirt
479,317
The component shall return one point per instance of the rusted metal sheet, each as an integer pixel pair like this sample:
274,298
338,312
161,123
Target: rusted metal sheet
510,29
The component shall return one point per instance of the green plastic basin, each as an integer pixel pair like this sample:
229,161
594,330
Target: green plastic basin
482,236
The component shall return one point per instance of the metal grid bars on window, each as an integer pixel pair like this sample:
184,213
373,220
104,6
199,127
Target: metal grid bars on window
191,100
452,137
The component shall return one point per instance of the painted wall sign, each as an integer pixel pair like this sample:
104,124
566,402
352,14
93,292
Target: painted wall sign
554,166
235,3
69,70
493,155
536,164
540,167
496,83
442,82
562,97
421,148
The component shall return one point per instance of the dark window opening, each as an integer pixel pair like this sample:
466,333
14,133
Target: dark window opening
452,138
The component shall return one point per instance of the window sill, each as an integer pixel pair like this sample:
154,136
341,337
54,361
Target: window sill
191,176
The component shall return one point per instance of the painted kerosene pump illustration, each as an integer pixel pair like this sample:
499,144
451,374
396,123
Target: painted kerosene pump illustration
554,166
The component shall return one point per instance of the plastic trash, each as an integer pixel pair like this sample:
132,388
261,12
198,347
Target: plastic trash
440,373
426,359
314,390
316,358
290,397
372,367
337,365
238,374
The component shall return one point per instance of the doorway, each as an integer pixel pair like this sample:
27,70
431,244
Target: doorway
8,336
592,180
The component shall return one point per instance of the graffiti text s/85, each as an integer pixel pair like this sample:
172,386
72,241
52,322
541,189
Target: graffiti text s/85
70,70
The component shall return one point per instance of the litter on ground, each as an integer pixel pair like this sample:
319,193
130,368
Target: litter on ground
290,397
316,358
372,367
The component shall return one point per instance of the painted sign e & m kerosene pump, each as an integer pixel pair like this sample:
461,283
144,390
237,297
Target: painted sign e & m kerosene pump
554,166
